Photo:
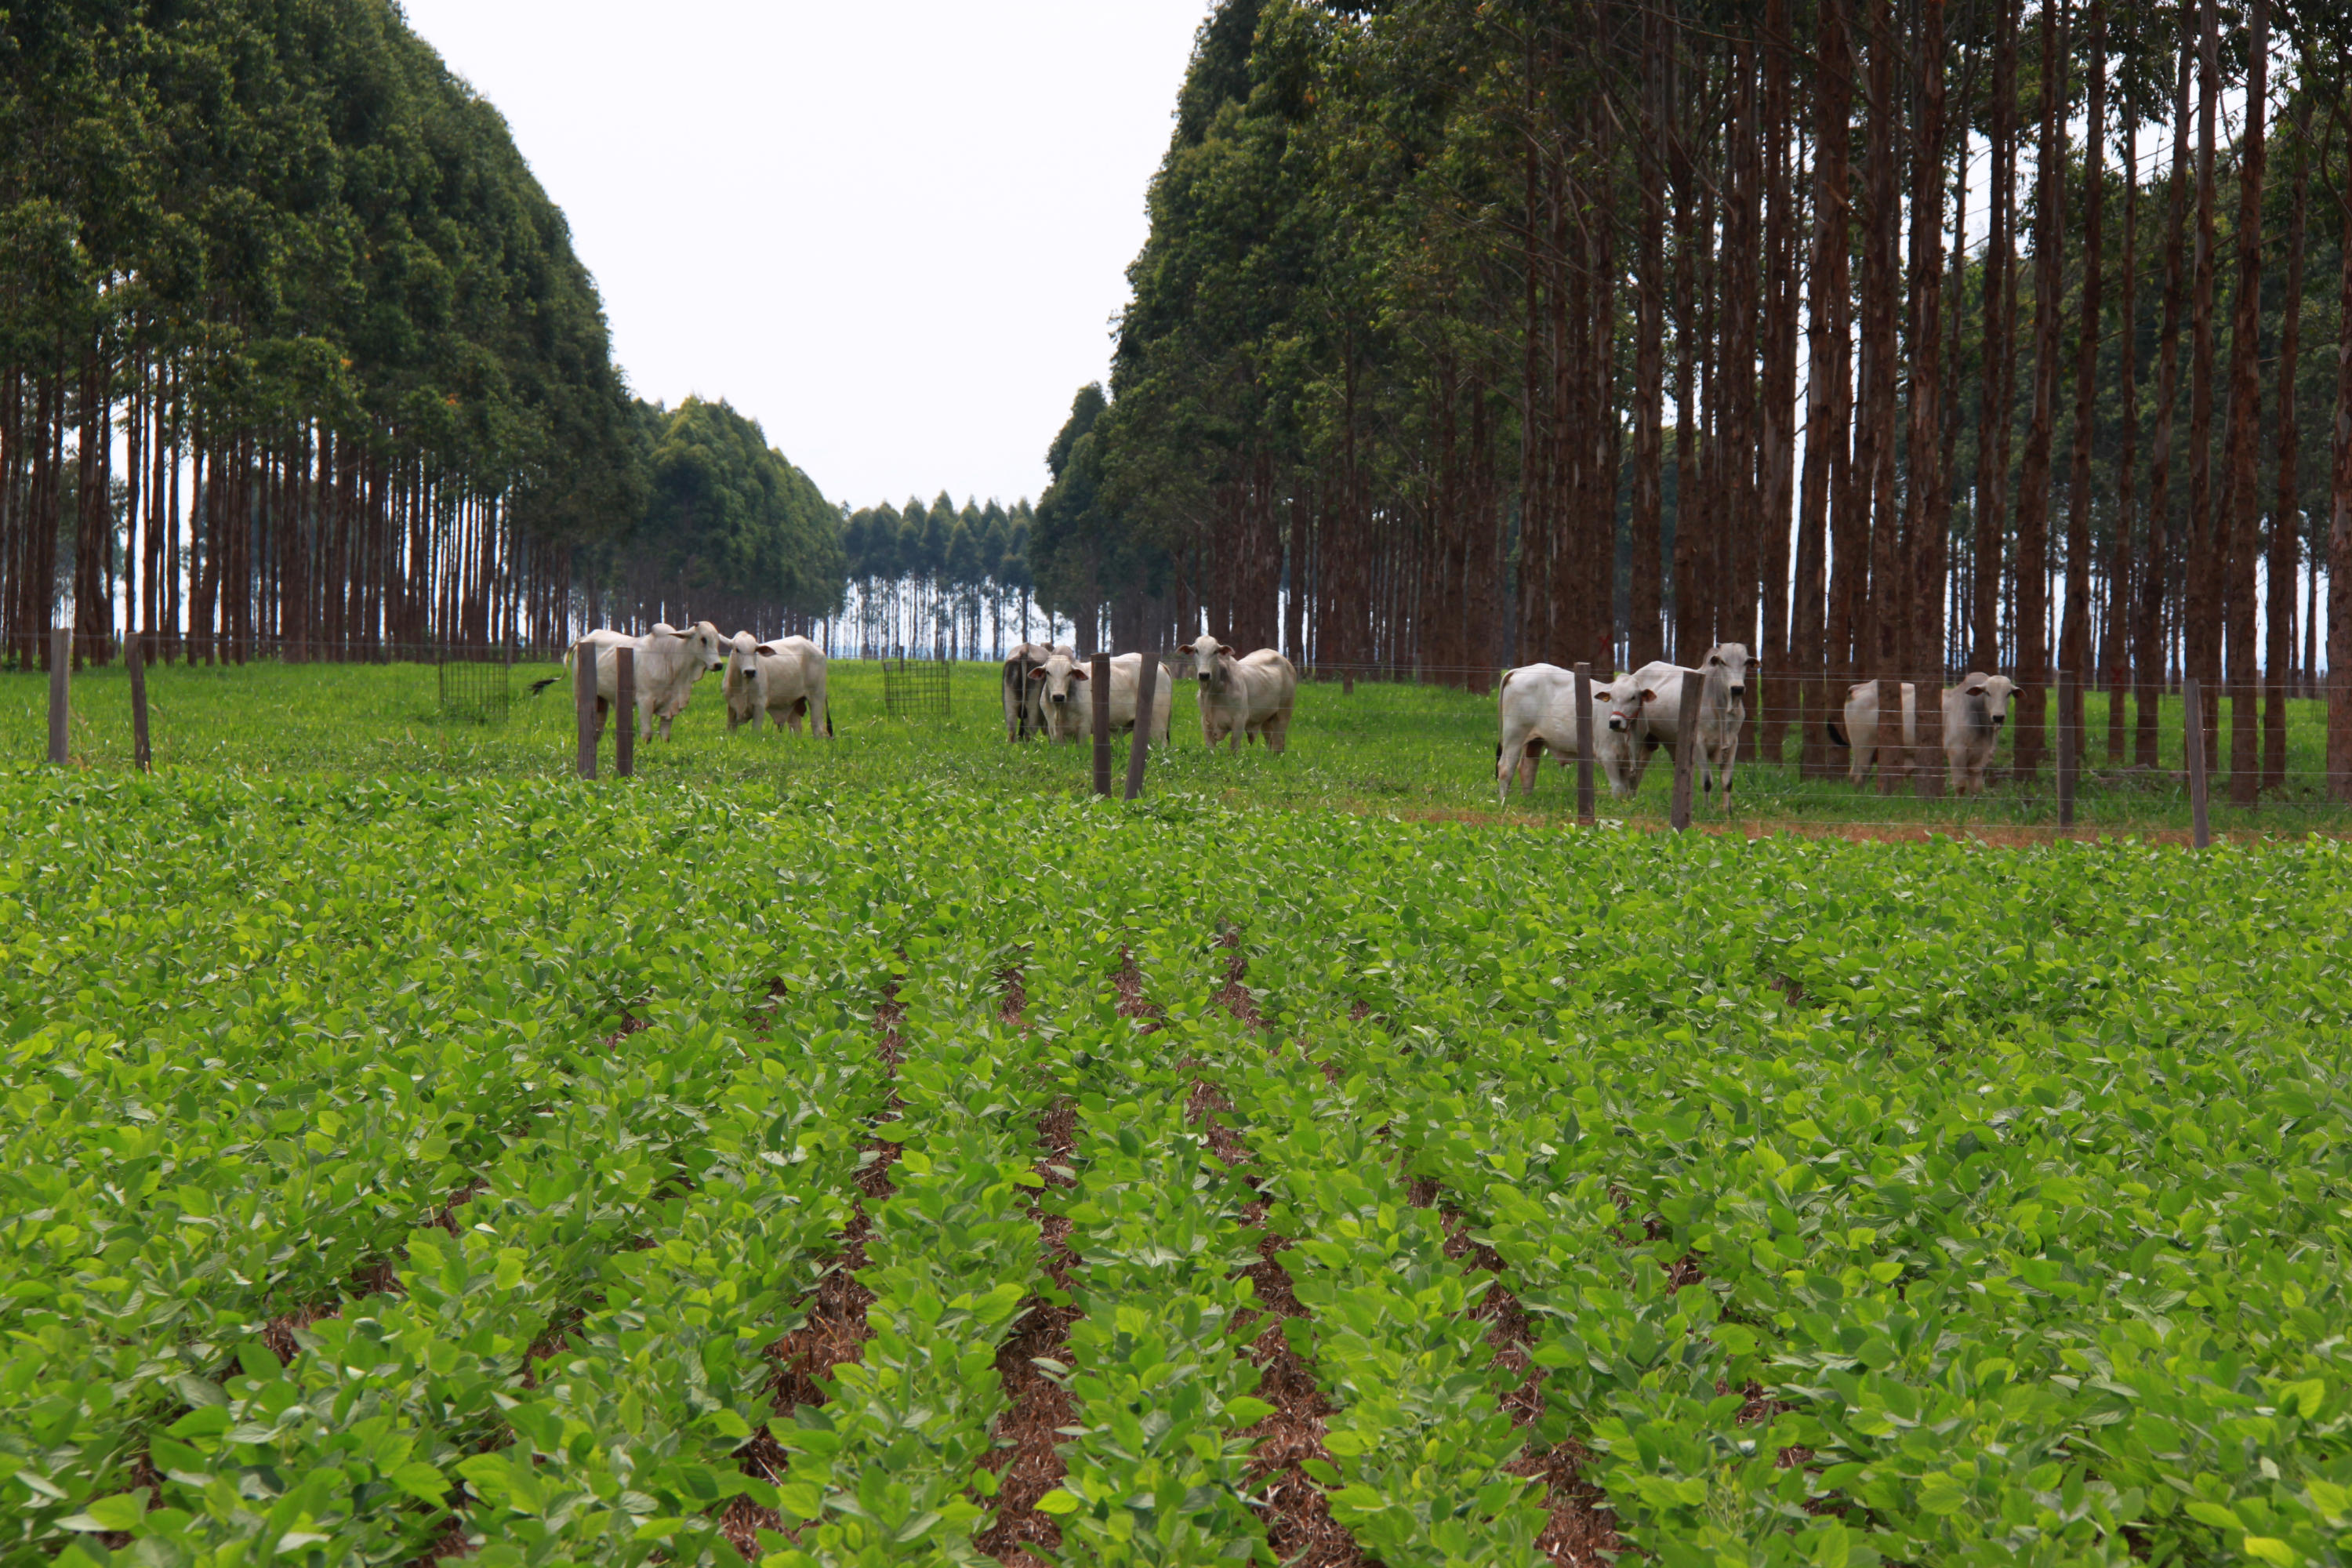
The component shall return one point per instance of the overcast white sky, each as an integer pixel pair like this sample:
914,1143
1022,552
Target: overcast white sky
895,233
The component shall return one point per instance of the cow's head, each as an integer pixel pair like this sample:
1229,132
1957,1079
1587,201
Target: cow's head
1731,659
1212,661
1056,676
1620,703
708,645
1993,691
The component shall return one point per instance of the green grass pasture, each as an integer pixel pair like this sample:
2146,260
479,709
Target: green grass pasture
1384,748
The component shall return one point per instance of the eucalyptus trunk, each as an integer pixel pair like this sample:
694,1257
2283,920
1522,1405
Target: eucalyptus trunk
2074,628
2156,574
2243,523
2032,702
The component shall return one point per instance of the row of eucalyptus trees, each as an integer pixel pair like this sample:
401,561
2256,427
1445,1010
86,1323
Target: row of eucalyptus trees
1887,336
295,356
939,580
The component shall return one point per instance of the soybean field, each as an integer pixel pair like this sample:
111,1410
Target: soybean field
678,1171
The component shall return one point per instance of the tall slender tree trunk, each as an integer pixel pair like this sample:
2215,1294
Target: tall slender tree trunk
2203,560
1829,394
2339,525
1775,685
1877,642
2286,516
2156,579
1999,355
1646,626
2120,561
2031,705
1921,646
2074,629
2243,517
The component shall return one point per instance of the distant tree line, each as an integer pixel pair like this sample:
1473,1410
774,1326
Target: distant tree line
295,353
938,580
1478,331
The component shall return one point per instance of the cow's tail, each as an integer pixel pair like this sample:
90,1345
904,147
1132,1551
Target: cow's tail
539,686
1836,732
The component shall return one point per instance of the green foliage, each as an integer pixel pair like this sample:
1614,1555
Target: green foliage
394,1161
729,519
307,213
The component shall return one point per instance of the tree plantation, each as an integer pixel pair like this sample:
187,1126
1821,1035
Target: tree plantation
296,353
1885,336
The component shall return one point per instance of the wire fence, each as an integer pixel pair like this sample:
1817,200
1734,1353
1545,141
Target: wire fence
1363,737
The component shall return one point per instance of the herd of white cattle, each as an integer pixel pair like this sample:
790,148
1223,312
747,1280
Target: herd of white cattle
1046,692
1634,715
782,678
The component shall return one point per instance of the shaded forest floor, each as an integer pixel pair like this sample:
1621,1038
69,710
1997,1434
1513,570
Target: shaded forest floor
1409,750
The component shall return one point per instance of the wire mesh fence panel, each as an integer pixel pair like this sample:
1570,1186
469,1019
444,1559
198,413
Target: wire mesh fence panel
915,688
473,687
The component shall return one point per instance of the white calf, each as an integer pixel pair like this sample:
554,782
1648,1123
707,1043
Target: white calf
1538,705
783,678
1974,712
1249,696
666,664
1723,710
1069,706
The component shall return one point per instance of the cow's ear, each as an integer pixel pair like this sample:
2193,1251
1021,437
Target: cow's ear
1226,651
1977,691
1038,673
1080,674
1648,695
765,650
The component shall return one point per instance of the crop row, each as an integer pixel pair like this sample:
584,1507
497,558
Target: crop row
390,1169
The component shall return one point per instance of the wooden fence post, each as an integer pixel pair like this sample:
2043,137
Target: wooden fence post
1098,707
1927,762
2192,701
2067,744
1584,744
1685,744
584,703
624,712
60,659
1891,756
1147,688
134,661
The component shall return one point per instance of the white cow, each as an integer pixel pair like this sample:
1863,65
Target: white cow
1723,711
1249,696
1023,711
1061,682
1537,704
783,678
667,664
1974,712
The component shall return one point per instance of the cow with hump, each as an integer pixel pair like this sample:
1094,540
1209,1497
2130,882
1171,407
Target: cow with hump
1537,704
1024,711
783,678
666,663
1722,710
1248,695
1974,714
1062,682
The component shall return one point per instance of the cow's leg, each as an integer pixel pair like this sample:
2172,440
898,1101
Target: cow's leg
1278,731
1509,758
